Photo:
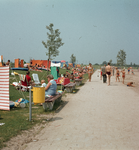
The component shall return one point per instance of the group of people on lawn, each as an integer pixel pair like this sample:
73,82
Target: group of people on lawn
36,67
50,88
76,73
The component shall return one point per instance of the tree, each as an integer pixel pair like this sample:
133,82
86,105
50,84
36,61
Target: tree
73,58
53,43
96,64
110,61
104,63
121,58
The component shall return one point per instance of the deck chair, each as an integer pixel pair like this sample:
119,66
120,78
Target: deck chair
36,78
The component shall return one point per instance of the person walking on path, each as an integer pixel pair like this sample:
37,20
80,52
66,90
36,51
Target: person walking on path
113,68
90,71
104,74
108,72
117,74
100,73
123,75
128,70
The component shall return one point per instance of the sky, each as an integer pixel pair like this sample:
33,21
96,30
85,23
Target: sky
93,30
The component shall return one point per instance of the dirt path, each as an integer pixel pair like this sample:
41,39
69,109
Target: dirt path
98,117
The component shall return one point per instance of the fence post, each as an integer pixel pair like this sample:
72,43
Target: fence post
30,105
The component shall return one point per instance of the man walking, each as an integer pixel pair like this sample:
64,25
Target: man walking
104,74
108,72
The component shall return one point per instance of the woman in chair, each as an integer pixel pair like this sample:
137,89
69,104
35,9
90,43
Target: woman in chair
28,81
51,87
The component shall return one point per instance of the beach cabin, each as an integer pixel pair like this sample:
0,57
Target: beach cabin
19,63
71,65
78,65
55,66
63,63
43,63
55,72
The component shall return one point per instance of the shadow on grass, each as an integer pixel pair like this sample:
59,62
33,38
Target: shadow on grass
61,106
82,84
19,108
75,91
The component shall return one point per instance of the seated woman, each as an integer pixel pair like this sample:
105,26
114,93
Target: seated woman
80,75
68,75
27,81
74,72
51,87
62,79
72,76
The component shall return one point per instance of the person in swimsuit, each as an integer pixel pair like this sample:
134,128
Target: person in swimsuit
108,72
130,84
133,72
104,74
80,75
90,71
117,74
128,70
8,63
123,75
113,68
100,73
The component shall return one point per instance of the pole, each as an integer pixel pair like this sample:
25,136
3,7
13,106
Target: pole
30,106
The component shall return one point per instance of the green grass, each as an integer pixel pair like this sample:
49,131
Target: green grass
16,119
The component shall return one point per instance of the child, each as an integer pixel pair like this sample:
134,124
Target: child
117,74
132,72
43,83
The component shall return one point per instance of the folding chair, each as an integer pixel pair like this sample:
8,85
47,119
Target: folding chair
36,78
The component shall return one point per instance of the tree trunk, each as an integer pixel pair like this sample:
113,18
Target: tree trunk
48,62
47,65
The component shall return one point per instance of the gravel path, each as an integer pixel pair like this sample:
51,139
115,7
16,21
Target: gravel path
98,117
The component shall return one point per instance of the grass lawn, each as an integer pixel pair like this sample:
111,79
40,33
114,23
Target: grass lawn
16,119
